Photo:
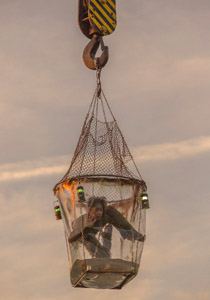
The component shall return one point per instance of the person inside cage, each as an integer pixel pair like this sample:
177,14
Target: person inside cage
100,219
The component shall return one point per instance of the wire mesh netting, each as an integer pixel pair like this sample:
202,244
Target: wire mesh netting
112,243
101,150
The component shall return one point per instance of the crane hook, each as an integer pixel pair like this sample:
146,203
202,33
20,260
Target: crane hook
90,51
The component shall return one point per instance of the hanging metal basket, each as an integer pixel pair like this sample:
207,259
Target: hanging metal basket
108,254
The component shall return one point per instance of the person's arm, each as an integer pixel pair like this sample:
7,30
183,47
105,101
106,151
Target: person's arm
82,224
123,226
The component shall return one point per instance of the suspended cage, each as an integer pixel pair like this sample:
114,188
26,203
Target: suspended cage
104,249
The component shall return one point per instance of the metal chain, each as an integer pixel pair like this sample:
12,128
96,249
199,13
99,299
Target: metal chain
98,77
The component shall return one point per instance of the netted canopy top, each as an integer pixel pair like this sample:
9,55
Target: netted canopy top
101,150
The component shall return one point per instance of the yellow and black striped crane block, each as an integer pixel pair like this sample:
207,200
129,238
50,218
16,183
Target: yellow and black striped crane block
102,16
96,18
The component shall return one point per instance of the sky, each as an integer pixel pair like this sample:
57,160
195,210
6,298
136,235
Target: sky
157,83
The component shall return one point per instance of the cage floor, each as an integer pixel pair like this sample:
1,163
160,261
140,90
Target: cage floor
102,273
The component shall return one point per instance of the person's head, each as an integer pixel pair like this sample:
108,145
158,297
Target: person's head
96,206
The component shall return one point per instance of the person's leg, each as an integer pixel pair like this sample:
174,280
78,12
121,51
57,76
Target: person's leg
95,248
107,236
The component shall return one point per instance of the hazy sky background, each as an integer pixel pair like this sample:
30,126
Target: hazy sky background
157,83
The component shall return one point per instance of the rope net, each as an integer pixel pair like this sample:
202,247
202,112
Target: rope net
101,150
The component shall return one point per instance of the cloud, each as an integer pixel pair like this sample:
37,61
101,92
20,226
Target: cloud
6,176
30,169
59,164
171,151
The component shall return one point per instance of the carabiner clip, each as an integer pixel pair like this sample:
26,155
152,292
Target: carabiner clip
90,50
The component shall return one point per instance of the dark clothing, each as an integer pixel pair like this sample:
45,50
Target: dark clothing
111,217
